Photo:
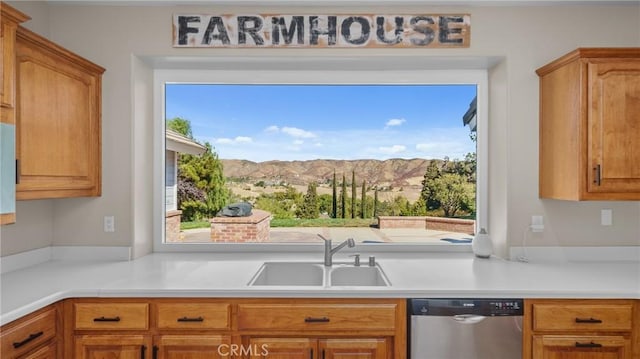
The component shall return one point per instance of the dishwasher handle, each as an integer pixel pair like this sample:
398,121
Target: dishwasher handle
468,318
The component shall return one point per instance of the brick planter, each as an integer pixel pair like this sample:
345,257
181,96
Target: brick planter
424,222
250,229
172,226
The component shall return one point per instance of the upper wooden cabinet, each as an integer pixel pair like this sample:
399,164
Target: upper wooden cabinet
590,125
58,116
10,18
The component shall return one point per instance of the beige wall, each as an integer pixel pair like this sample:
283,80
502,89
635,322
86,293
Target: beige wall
527,37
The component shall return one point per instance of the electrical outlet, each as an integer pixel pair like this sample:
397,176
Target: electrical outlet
537,224
606,217
109,224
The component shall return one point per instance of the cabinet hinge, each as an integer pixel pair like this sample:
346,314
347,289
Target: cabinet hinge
597,175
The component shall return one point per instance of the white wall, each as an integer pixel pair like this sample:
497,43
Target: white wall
527,37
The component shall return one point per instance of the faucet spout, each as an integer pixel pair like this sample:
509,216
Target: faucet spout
329,251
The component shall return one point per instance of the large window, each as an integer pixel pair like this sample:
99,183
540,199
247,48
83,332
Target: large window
376,160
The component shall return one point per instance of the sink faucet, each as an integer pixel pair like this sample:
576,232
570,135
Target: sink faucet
329,252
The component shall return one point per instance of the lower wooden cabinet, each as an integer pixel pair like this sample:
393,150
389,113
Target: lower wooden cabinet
311,348
33,336
583,347
126,346
580,329
176,346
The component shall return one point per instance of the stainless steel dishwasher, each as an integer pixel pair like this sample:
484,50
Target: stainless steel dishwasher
465,328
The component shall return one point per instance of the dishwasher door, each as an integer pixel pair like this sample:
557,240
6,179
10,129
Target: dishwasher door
465,333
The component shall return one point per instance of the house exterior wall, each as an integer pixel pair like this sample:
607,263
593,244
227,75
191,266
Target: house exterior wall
525,37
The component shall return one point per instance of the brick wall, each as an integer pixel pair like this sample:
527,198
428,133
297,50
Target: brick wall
424,222
253,228
172,226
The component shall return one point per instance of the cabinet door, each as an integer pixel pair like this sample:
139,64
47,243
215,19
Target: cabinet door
581,347
192,347
281,348
46,352
58,121
112,346
614,126
353,348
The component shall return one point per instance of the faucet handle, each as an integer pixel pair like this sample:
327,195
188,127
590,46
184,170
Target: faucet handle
356,259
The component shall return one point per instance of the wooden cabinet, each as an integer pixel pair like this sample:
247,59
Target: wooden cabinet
172,328
34,336
311,348
10,19
58,116
589,131
339,328
581,329
181,346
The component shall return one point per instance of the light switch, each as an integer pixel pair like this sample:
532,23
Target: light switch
606,217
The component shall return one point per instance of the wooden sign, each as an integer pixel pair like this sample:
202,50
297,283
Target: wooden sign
323,31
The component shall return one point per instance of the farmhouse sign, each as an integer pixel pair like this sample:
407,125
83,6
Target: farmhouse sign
322,31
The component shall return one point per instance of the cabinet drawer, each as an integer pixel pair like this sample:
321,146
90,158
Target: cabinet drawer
194,315
310,317
110,316
29,334
582,317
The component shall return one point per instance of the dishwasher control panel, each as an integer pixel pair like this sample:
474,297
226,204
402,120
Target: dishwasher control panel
458,306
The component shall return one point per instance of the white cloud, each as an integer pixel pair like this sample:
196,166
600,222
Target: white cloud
392,149
243,139
233,141
297,132
298,142
394,122
272,129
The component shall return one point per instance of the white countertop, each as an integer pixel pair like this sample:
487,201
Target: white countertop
416,275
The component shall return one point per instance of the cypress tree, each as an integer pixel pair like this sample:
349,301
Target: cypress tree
353,194
375,203
343,197
363,205
334,200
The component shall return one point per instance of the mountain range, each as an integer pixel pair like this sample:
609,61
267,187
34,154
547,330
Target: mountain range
394,172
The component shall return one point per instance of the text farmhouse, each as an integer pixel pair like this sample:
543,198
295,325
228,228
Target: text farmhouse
424,30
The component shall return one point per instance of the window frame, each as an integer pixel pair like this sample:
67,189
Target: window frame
329,75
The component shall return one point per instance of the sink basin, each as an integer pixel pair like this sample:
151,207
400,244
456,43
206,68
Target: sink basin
358,276
289,273
316,274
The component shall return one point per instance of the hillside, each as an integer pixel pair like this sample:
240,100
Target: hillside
392,172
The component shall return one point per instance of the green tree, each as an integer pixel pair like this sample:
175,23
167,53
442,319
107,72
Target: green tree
205,172
334,199
343,197
181,126
428,190
363,201
375,203
453,192
353,194
309,207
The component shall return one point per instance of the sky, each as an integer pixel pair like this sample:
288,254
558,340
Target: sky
343,122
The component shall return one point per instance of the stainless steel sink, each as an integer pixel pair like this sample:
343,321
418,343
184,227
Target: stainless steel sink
318,275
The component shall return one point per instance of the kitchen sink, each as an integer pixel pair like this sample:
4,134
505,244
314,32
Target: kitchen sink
289,273
316,274
358,276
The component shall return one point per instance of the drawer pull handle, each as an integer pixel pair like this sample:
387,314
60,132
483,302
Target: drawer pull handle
104,319
316,320
588,345
154,352
143,351
31,337
186,319
590,320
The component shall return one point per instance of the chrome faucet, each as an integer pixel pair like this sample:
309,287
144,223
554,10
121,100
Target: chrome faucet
329,252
